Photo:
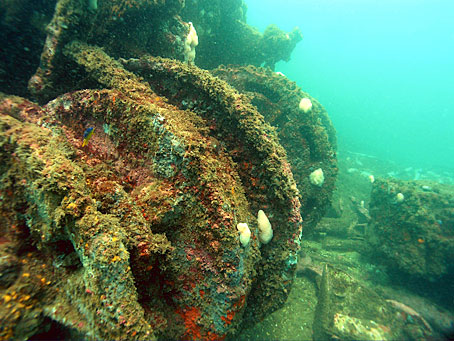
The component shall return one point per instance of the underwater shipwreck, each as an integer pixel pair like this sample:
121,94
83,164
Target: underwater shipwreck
158,177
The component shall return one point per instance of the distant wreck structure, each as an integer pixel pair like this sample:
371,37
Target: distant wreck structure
412,227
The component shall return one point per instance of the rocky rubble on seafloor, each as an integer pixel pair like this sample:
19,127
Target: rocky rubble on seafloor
393,236
346,309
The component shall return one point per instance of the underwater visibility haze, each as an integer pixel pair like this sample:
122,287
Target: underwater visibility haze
226,170
383,69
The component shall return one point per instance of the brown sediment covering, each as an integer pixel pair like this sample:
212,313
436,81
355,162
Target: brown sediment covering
261,162
133,236
145,215
308,138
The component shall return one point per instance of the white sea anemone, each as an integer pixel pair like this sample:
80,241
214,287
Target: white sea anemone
305,104
265,229
317,177
245,233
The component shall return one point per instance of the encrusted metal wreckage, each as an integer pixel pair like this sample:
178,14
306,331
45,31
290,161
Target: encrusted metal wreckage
132,234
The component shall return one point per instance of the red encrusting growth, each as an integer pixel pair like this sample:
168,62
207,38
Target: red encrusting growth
231,313
194,331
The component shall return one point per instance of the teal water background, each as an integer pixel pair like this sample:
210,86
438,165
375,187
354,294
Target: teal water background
384,70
